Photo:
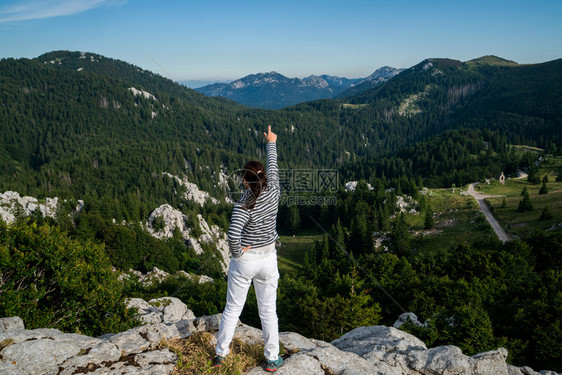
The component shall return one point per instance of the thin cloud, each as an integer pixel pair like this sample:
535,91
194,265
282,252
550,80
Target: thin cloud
38,9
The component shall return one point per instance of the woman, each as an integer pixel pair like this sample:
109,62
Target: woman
251,238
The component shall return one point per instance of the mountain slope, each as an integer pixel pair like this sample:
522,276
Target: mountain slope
441,94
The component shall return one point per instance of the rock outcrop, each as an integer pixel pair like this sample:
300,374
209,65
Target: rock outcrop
11,202
375,350
165,220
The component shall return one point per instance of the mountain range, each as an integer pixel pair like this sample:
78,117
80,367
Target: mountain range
273,90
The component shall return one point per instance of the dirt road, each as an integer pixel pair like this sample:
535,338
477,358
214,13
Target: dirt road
502,235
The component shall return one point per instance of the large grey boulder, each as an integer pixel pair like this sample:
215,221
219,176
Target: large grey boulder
376,342
439,360
395,352
340,362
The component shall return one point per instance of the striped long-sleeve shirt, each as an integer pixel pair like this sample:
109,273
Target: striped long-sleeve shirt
257,227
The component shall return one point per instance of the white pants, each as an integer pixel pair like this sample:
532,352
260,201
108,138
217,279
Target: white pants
262,270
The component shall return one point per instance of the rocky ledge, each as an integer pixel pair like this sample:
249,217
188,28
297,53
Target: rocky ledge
375,350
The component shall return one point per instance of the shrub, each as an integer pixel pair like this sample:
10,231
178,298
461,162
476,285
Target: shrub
50,280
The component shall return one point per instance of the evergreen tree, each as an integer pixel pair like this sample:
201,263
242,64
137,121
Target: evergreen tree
544,189
525,204
504,203
399,236
533,177
429,222
546,214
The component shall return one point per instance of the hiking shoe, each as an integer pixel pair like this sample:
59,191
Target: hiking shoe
217,361
272,366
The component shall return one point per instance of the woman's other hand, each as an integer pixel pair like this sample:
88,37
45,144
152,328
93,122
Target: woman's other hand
270,136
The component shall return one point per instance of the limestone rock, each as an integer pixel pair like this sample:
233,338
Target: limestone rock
39,357
340,362
201,279
158,310
439,360
148,337
492,362
298,364
407,317
374,350
207,323
102,353
173,219
376,341
171,308
294,342
11,201
8,324
248,334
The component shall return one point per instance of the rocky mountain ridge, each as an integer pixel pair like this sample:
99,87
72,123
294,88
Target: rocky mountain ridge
364,350
273,90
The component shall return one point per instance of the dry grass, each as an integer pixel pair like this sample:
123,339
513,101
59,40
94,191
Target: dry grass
196,352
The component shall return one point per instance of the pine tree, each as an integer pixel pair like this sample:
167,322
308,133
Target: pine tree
399,236
546,214
429,222
544,189
525,204
533,177
504,203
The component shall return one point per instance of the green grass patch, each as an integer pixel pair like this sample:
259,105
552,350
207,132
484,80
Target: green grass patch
457,220
527,148
522,224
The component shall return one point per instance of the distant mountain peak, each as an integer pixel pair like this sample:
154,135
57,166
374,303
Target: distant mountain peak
273,90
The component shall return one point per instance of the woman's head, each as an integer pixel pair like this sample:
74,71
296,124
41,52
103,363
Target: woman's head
255,180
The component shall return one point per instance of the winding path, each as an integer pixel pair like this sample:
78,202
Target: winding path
502,235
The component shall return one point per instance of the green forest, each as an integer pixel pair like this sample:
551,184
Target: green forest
75,128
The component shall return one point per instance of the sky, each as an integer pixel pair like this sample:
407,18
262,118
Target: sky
221,40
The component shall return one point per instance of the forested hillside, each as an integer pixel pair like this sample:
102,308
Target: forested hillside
519,101
84,117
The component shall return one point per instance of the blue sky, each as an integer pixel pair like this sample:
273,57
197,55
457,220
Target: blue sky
225,40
